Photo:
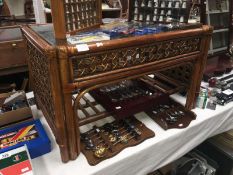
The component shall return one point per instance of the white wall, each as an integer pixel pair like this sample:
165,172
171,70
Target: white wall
16,8
39,11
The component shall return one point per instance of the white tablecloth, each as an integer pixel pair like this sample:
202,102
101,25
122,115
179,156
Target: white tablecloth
150,155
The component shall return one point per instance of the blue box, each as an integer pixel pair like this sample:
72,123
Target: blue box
37,146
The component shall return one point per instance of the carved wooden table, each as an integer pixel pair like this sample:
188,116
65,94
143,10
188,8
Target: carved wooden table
59,70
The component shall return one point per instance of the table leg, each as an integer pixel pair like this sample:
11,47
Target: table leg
197,75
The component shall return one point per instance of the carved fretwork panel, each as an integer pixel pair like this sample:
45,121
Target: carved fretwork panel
87,65
41,83
181,73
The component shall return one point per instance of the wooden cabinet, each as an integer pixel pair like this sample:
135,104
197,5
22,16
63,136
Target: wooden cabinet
12,54
12,51
13,59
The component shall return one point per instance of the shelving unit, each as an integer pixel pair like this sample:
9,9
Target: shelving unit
116,9
198,11
218,15
112,9
159,11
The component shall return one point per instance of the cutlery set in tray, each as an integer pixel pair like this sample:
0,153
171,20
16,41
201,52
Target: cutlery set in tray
104,142
123,100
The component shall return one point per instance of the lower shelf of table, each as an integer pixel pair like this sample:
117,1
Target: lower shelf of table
99,104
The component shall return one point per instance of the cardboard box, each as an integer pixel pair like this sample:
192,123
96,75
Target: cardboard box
14,116
16,161
30,133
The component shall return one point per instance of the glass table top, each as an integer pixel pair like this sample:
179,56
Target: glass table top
111,31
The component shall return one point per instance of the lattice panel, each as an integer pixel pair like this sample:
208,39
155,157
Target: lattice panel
89,108
86,65
81,14
181,73
40,78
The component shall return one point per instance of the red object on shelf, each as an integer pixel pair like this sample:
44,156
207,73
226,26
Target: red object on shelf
212,82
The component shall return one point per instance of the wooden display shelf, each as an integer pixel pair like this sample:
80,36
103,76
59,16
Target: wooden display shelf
92,110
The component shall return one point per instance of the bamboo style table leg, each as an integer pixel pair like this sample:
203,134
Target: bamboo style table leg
197,75
69,117
196,78
71,127
191,95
